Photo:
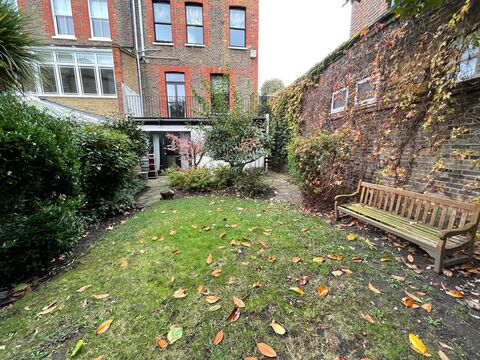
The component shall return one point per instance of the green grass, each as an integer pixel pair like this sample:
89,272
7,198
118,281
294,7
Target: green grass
142,305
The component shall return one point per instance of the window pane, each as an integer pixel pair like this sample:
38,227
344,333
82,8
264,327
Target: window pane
47,79
69,82
64,57
181,91
64,25
163,33
161,12
175,77
85,58
339,99
105,59
467,69
365,91
45,56
171,91
237,38
62,7
108,81
237,18
194,15
99,9
194,35
89,84
101,28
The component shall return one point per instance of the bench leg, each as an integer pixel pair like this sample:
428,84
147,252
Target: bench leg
336,212
471,248
439,257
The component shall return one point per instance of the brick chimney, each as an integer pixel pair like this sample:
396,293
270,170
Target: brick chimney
366,12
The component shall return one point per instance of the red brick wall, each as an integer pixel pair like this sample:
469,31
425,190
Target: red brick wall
365,13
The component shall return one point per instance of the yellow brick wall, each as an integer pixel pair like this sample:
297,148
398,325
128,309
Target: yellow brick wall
100,106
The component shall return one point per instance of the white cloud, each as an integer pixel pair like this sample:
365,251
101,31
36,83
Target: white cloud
295,35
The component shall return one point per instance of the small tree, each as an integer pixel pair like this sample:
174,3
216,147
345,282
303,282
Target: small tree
232,133
271,86
190,150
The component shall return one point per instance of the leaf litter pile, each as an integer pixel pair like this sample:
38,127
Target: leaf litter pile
222,278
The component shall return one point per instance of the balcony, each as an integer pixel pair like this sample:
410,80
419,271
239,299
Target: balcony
178,108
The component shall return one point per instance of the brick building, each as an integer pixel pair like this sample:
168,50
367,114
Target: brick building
346,90
146,58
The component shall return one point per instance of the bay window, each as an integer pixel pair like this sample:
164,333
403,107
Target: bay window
194,15
79,73
99,20
237,27
62,18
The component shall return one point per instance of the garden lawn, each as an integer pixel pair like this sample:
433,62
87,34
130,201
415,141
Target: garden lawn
142,262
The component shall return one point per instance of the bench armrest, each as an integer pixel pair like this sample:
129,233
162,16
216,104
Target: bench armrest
445,234
346,196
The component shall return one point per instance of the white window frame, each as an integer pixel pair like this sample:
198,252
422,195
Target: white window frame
76,65
340,109
93,37
14,3
57,35
368,101
468,56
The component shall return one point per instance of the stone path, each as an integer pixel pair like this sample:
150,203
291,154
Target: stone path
285,189
152,192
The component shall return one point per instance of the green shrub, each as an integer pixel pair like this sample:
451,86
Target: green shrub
223,176
108,165
192,179
137,136
40,193
250,182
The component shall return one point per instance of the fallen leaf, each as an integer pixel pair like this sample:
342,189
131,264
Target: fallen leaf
83,288
174,334
447,272
455,293
263,243
123,263
368,318
212,299
445,345
296,259
373,288
346,270
413,296
200,288
322,291
141,241
222,234
399,278
162,343
318,259
272,259
427,307
337,273
410,258
101,296
238,302
303,280
215,307
357,259
216,272
99,357
250,358
351,237
234,315
409,303
335,257
233,242
245,243
231,280
266,350
297,290
277,328
172,232
442,355
48,310
77,348
209,259
384,259
252,229
180,293
218,338
418,345
104,327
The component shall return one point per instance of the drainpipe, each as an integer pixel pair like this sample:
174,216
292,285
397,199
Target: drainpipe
140,20
139,71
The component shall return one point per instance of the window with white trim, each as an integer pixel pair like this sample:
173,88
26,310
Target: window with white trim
162,21
62,17
99,20
469,66
339,100
365,92
194,16
238,37
80,73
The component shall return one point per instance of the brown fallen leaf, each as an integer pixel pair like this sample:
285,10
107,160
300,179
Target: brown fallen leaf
279,329
257,284
222,234
123,263
234,315
209,259
335,257
83,288
104,327
212,299
250,358
200,288
272,259
234,242
218,337
266,350
374,289
99,357
399,278
303,280
180,293
231,280
263,243
296,259
455,293
427,307
246,243
447,272
346,270
442,355
445,345
410,258
101,296
413,296
238,302
176,252
47,310
161,342
368,318
357,259
337,273
409,303
172,232
322,291
216,272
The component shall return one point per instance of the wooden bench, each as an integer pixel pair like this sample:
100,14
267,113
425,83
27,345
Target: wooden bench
439,226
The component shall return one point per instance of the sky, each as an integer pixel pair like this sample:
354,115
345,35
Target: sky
295,35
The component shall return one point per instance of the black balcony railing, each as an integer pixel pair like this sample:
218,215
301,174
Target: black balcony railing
186,107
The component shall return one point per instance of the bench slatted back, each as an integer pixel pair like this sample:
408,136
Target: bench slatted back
432,211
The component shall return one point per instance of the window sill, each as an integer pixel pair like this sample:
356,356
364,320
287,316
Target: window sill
365,103
77,96
195,45
64,37
163,43
337,111
237,48
100,39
